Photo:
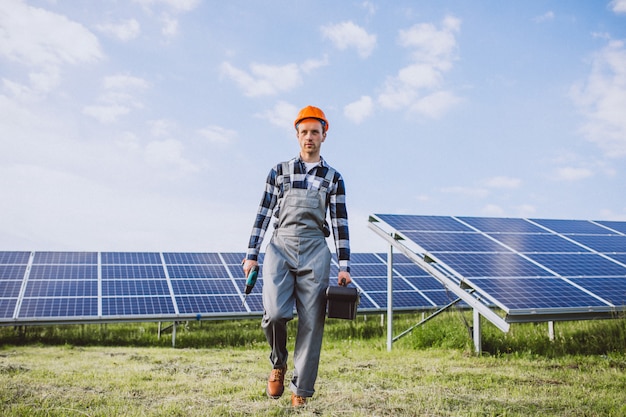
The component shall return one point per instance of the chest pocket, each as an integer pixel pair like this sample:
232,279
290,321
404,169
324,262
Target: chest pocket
291,201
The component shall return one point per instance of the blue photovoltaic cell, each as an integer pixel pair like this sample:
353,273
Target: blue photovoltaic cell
424,283
603,243
454,242
258,288
237,271
531,293
59,307
66,258
380,284
365,304
197,271
501,225
403,223
10,288
617,226
122,287
203,286
572,226
409,300
78,272
255,302
380,298
12,272
365,258
409,270
192,258
235,258
7,307
443,297
368,270
491,265
61,288
572,265
618,257
132,271
10,257
136,258
611,289
209,304
529,243
137,306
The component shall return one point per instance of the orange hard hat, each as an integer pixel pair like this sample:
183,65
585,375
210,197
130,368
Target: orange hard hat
310,112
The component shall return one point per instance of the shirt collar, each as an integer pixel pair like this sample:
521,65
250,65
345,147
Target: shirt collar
321,162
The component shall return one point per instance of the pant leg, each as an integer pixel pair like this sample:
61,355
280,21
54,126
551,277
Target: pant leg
278,300
311,283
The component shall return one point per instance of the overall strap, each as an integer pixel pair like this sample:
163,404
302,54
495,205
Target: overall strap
286,177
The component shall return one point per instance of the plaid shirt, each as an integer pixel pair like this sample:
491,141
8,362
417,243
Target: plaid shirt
336,201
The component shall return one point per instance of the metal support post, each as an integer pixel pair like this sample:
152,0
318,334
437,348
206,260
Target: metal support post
477,334
389,298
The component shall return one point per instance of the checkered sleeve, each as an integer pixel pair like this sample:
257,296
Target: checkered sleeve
339,219
264,215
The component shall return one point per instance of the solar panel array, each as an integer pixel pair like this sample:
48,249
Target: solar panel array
73,287
531,268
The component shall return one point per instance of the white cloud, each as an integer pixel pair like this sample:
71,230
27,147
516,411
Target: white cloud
359,110
572,174
349,35
124,82
118,98
39,38
547,16
432,45
418,86
436,104
266,80
618,6
106,113
176,5
282,115
169,25
370,7
602,100
503,182
43,42
125,31
526,210
217,134
312,64
169,152
492,210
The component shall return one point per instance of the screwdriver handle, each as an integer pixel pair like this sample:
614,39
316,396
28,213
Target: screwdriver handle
251,280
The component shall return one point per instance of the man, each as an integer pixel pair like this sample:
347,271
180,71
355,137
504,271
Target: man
298,194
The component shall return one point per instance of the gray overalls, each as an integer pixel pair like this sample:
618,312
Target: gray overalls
297,267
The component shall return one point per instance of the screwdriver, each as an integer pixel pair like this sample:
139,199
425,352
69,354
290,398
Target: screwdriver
250,281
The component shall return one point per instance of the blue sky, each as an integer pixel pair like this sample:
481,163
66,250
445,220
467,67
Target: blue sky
152,124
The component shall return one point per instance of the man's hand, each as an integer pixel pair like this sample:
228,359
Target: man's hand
247,266
343,275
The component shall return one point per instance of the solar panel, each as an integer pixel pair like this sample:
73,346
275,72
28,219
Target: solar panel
531,268
58,287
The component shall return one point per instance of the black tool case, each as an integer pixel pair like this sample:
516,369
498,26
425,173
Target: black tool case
342,302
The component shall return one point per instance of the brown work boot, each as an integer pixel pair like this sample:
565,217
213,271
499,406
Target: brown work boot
275,383
297,401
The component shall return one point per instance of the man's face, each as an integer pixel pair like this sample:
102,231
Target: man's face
310,136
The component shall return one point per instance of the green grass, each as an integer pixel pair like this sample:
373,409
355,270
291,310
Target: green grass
220,369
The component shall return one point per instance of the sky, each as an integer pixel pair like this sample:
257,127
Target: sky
151,125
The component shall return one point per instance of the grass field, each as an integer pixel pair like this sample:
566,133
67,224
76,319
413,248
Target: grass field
220,369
